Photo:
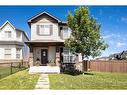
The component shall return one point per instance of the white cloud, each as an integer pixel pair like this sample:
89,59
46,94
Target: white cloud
119,44
108,36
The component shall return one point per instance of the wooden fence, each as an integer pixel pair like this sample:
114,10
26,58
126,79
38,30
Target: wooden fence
119,66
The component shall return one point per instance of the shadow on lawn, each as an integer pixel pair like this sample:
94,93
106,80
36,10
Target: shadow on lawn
76,73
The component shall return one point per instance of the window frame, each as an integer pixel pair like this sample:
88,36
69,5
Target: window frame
45,25
70,56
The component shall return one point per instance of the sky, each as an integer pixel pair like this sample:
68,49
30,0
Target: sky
113,20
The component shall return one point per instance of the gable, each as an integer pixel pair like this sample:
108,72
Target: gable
43,15
7,27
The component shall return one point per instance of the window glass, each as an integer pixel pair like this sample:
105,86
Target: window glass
45,29
68,57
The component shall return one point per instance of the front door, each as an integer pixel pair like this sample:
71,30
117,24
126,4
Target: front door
44,57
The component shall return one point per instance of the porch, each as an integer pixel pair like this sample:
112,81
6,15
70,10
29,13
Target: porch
47,56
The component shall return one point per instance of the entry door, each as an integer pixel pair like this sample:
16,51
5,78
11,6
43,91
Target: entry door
44,57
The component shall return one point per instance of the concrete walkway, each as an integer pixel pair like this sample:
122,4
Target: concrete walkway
43,82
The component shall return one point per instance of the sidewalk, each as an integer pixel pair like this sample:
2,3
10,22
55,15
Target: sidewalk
43,82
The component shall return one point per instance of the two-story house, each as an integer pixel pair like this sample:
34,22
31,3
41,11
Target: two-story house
12,46
48,34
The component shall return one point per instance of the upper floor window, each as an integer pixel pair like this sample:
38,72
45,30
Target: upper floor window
65,32
7,53
65,29
44,30
18,34
8,34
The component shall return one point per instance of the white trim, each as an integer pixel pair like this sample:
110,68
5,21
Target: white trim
9,24
41,14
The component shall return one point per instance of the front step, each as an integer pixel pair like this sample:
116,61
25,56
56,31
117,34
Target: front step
44,70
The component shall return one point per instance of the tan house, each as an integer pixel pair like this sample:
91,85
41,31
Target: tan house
48,34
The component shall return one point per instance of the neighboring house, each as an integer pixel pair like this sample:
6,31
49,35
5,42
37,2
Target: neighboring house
119,56
12,46
48,34
103,58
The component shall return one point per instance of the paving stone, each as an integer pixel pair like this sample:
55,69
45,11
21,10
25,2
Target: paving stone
43,82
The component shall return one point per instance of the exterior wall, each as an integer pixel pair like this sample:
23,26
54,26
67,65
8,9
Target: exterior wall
35,36
24,52
7,27
13,51
51,53
25,48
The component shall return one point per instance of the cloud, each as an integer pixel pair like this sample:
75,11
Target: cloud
111,36
108,36
124,19
120,44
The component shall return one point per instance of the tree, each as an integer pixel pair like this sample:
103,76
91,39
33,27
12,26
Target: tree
85,37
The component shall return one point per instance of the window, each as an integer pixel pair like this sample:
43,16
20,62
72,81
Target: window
18,34
68,57
65,33
8,34
18,53
44,29
7,53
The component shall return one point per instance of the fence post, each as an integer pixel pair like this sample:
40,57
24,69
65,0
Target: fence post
85,65
22,64
19,65
11,68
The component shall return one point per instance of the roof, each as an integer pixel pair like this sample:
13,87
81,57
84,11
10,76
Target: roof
44,41
44,12
6,23
23,33
14,28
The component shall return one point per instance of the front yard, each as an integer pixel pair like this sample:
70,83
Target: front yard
89,81
92,80
6,71
19,80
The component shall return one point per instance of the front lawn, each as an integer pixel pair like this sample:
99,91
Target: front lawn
91,80
19,80
6,71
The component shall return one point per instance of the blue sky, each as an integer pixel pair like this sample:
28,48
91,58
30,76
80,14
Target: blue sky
113,20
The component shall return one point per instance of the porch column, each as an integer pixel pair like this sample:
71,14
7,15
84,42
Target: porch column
31,56
57,56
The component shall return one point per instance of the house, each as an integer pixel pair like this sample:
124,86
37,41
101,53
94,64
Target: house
48,34
103,58
119,56
12,46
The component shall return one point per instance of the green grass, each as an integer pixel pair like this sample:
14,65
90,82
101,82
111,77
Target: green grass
6,71
93,80
19,80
